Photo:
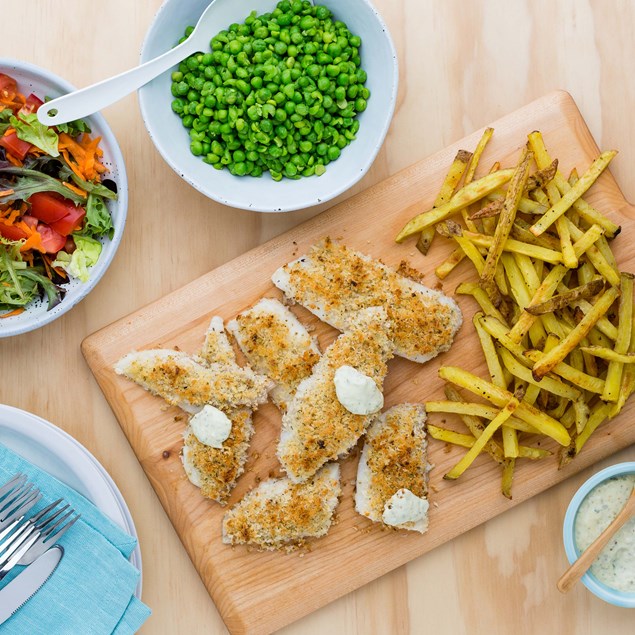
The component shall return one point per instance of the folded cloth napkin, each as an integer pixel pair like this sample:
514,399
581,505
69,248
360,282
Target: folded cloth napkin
92,589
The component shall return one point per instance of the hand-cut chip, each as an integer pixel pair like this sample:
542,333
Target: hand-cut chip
316,427
184,382
334,283
277,345
216,470
279,513
394,458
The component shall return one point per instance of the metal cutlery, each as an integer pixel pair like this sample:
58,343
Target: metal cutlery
49,530
26,584
23,540
17,497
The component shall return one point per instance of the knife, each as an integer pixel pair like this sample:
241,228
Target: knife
25,585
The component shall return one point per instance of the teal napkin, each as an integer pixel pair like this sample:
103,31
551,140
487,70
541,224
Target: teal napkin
92,590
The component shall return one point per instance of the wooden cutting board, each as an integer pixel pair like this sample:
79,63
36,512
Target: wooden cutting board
261,592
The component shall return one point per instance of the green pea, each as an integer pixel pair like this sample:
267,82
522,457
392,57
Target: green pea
177,105
196,148
333,153
355,41
360,104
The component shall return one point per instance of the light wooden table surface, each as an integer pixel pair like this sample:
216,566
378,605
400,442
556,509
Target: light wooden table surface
463,64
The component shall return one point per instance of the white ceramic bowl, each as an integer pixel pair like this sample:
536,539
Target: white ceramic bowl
379,60
32,79
601,590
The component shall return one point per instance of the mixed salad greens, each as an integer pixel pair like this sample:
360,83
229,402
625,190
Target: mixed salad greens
53,209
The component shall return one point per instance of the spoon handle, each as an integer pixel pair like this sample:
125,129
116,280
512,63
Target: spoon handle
91,99
580,566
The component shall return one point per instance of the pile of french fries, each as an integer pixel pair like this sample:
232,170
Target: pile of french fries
555,323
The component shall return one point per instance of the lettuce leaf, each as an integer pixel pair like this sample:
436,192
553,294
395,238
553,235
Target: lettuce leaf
78,263
98,221
28,128
20,284
29,182
5,117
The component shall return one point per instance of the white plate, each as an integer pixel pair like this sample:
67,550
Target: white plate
59,454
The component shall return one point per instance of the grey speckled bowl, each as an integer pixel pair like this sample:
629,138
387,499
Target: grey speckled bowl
379,59
32,79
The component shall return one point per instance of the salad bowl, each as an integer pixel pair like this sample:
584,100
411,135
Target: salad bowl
263,194
42,83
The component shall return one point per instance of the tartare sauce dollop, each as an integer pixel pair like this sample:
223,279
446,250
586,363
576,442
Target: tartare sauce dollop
358,393
404,507
615,566
211,426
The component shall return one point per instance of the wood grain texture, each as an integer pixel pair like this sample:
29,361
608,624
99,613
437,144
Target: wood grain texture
462,65
261,592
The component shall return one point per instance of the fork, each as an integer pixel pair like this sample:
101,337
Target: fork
17,497
49,530
15,541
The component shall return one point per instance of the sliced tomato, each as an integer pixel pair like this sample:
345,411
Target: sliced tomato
8,83
11,232
49,206
52,241
33,102
69,223
15,146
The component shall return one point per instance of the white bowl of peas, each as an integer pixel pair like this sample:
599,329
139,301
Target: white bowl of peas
287,108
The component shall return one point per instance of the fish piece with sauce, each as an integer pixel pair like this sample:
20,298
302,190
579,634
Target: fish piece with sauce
392,474
317,428
215,470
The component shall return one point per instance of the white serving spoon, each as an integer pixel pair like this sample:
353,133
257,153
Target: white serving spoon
91,99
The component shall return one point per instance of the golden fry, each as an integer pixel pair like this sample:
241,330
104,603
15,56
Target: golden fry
468,194
589,214
623,340
557,354
505,222
452,179
500,397
562,300
479,444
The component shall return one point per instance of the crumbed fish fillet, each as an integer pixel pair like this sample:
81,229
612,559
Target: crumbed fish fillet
277,345
216,470
316,427
394,457
280,514
217,348
184,382
334,282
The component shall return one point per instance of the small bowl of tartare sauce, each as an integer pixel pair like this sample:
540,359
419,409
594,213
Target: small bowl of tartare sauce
611,577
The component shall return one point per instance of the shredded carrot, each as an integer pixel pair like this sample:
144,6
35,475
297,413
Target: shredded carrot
34,241
12,313
9,131
73,188
6,192
14,160
71,164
